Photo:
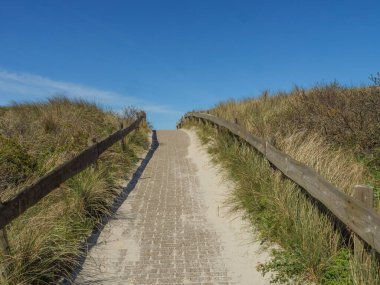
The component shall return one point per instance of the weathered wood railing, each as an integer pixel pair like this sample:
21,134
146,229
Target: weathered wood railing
354,213
29,196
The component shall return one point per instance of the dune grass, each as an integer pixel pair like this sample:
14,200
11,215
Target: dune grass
334,130
47,240
334,117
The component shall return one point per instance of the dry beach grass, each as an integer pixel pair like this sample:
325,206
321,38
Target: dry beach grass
45,242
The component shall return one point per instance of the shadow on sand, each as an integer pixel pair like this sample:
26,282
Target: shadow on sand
123,195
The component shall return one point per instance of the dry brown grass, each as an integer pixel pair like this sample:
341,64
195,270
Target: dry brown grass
46,240
334,129
344,116
335,164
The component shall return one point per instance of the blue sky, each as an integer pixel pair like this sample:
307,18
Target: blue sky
170,57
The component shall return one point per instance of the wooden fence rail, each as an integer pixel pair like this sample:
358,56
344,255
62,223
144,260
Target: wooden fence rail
29,196
363,221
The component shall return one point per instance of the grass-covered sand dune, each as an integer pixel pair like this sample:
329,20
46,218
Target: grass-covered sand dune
335,130
45,242
332,128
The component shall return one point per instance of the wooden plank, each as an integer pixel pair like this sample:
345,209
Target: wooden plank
32,194
363,194
363,221
4,245
353,213
276,157
122,141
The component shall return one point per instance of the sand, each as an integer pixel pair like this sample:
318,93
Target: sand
241,249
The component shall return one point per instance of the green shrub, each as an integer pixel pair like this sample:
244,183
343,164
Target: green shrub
285,265
337,269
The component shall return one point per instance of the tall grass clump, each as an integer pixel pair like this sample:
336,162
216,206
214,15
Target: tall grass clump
333,129
47,241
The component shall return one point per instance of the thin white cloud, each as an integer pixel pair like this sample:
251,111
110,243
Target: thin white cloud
30,86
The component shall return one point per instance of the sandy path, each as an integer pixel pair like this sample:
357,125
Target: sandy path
172,229
243,254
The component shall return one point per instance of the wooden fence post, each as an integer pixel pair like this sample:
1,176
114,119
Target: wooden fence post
143,122
364,194
4,250
122,141
92,141
4,246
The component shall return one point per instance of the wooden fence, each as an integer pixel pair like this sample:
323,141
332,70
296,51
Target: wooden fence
354,213
29,196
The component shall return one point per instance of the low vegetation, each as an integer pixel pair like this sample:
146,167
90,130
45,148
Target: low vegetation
335,130
47,241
